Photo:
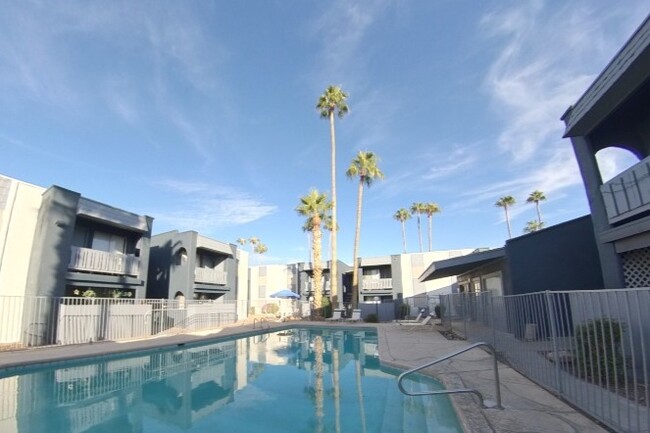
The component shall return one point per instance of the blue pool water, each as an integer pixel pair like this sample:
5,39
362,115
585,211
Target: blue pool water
301,380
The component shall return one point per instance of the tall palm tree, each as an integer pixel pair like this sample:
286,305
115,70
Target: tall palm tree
306,227
402,216
365,166
260,248
535,197
430,209
533,226
506,202
418,209
333,101
313,206
242,241
328,225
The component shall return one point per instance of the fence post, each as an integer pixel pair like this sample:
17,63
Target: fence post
494,328
556,353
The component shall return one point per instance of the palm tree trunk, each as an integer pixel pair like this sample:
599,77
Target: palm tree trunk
419,233
333,258
430,231
362,413
336,384
404,236
508,222
317,265
318,367
539,213
357,237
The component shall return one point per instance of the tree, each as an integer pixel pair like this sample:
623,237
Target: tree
260,248
365,166
418,209
333,101
535,197
328,225
533,226
306,227
313,206
402,216
506,202
242,241
430,209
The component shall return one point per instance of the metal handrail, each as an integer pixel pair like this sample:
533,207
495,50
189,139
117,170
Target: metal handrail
484,403
262,321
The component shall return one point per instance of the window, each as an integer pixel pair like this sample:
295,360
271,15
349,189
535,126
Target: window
109,243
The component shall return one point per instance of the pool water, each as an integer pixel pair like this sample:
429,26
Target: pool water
300,380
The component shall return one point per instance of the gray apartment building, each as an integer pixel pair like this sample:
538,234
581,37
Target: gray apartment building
187,265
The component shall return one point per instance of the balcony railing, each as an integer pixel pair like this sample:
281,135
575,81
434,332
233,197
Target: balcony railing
210,276
102,262
628,194
310,286
377,284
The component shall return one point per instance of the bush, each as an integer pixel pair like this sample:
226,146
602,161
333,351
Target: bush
439,310
326,306
598,352
371,318
270,308
404,310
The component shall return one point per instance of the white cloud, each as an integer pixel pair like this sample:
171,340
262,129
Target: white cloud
207,207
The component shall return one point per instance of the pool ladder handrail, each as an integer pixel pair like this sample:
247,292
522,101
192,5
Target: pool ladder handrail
261,321
486,404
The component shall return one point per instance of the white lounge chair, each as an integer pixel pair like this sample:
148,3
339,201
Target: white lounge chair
425,322
417,319
356,316
336,316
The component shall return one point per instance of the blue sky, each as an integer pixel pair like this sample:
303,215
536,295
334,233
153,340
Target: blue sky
202,114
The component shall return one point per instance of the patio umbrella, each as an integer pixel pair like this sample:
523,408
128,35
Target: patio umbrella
285,294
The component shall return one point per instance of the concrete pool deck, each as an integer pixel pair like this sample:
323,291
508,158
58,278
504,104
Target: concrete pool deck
527,407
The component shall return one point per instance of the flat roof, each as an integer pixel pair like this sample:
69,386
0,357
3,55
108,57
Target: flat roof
624,74
461,264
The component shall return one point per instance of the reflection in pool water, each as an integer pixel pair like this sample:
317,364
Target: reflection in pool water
301,380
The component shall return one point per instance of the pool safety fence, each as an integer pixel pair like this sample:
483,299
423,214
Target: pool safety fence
590,347
29,321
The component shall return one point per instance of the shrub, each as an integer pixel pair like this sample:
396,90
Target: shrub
326,306
371,318
270,308
404,310
598,349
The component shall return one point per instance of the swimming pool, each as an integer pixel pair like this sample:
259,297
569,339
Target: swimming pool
300,380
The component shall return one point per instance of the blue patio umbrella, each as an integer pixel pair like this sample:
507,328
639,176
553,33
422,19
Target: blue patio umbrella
285,294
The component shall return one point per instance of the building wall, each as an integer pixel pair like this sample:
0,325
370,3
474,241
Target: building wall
411,266
19,205
561,257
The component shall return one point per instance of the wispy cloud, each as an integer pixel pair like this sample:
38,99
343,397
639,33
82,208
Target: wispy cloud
208,207
548,59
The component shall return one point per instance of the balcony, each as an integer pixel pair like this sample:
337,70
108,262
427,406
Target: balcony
102,262
628,194
210,276
377,284
325,286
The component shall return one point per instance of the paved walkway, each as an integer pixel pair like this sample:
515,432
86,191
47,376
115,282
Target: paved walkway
527,407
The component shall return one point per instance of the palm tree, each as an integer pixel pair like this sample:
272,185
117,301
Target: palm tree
328,225
313,206
332,101
402,216
535,197
306,227
364,165
533,226
242,241
506,202
418,209
430,209
260,248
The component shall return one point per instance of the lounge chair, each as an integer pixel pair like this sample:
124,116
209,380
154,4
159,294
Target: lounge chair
416,320
336,316
425,322
356,316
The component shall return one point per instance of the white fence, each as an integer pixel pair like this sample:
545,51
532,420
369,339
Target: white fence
27,321
590,347
37,321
